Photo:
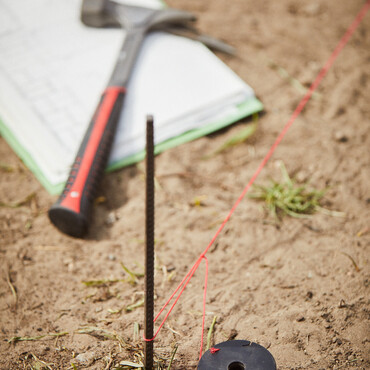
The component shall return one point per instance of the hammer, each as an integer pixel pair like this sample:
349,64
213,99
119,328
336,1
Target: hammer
71,212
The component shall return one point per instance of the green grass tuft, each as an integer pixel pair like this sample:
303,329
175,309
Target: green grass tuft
289,198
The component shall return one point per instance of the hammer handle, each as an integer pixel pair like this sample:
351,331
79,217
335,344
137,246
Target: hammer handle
71,212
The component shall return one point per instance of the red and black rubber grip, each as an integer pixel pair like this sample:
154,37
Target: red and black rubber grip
71,212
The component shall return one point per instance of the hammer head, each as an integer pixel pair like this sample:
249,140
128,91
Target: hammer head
98,13
108,13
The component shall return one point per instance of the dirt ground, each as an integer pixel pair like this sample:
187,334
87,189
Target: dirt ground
299,287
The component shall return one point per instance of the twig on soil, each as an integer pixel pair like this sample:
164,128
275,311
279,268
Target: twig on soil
131,279
113,312
352,260
39,362
329,212
12,289
363,231
6,168
38,337
102,282
172,356
19,203
135,305
132,306
105,334
132,275
136,331
291,80
109,363
210,332
198,201
129,365
172,330
349,361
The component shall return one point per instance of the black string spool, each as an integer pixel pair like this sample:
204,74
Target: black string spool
237,355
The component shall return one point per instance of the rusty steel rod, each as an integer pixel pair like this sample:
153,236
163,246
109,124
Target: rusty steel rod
149,246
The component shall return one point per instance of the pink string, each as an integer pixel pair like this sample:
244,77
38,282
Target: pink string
204,306
343,41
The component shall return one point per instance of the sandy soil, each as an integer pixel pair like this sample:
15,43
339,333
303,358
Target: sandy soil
300,288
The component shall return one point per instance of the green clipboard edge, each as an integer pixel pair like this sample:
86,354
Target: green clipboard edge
252,105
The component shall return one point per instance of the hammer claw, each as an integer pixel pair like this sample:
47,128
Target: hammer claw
168,16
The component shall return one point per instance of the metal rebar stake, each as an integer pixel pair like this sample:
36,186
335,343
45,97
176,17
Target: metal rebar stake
149,246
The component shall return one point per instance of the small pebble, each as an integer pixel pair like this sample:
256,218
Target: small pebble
300,318
85,358
309,295
301,176
341,136
71,267
111,218
193,364
312,9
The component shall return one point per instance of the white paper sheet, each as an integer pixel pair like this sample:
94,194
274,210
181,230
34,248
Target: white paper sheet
53,69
